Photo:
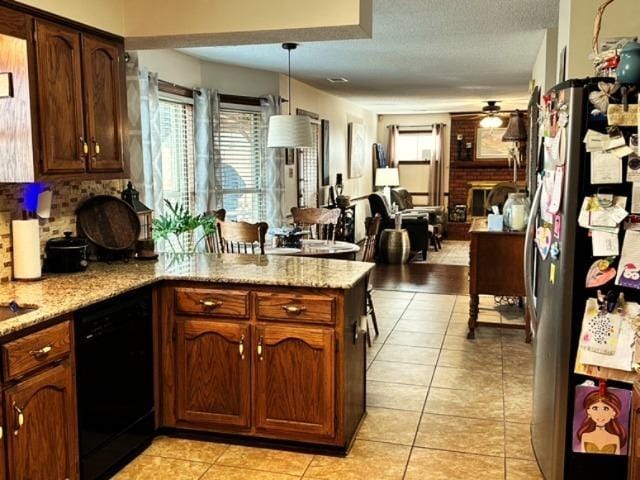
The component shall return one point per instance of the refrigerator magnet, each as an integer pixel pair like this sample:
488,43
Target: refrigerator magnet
600,273
543,241
552,274
601,420
554,250
556,192
557,226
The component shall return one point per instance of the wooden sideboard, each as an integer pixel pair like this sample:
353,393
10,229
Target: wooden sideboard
496,268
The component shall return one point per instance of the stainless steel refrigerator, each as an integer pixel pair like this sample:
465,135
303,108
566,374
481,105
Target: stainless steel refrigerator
557,306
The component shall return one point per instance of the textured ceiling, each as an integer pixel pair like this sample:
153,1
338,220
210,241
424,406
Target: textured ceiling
425,55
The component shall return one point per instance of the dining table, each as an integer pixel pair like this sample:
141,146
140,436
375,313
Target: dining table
318,249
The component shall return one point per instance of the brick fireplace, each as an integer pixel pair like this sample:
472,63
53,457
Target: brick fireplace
465,174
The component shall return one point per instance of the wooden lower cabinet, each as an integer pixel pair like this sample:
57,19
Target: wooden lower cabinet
213,381
270,373
295,378
40,415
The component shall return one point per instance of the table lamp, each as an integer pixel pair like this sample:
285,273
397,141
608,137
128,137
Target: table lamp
387,178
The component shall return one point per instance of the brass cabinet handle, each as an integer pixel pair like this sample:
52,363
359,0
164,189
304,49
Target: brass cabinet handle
96,147
210,303
259,349
1,433
85,146
294,308
41,351
241,347
20,419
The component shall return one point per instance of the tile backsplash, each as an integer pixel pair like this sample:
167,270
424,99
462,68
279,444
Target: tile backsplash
66,197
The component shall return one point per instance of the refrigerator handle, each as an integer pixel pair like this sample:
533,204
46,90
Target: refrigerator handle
528,257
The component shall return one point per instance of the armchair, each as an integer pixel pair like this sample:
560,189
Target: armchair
417,225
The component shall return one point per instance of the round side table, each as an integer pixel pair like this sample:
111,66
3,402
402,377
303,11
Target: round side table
394,246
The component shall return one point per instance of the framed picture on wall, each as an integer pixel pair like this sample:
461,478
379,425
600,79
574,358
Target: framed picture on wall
489,144
325,164
357,150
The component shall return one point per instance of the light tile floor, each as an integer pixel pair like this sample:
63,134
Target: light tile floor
439,407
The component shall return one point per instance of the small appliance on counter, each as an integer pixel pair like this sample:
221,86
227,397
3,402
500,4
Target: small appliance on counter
66,254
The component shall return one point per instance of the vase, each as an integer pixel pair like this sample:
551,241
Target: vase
628,71
516,212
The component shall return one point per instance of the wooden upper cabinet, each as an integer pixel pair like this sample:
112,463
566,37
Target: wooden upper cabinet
40,414
61,115
104,81
295,381
213,374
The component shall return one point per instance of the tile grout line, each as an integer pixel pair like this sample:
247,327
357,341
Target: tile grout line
424,403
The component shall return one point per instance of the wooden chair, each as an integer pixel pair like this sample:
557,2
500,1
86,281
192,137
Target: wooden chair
321,222
242,237
212,244
372,227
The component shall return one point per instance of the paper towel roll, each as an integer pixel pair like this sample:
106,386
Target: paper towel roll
26,249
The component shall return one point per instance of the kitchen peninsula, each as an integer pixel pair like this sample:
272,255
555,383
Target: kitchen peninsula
260,347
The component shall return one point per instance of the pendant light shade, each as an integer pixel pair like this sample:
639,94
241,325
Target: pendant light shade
289,131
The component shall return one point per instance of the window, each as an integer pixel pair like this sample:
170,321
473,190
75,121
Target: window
176,132
241,169
308,159
414,146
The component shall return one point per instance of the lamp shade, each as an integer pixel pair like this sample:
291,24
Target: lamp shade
289,131
516,130
387,177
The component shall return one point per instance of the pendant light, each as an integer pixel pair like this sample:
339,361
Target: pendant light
289,131
492,120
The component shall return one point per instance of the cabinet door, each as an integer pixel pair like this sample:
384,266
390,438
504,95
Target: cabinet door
40,414
213,374
103,87
59,77
295,377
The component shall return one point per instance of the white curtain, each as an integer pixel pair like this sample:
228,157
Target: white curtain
144,134
206,111
436,188
274,188
394,131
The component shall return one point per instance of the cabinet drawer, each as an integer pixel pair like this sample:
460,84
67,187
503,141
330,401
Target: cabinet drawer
218,303
40,348
295,308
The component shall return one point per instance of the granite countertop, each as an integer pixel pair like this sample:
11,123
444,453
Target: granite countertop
56,295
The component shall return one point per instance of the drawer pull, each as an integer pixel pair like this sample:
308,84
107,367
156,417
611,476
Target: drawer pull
41,351
85,146
210,303
294,308
20,418
241,347
259,349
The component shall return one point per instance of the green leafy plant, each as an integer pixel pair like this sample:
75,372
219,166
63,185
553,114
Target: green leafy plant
177,223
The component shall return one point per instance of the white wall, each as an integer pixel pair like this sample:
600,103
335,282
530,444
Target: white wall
425,119
181,69
545,67
339,112
575,29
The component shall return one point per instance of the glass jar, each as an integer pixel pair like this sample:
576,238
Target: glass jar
516,212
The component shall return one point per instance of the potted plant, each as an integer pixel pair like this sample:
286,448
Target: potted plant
178,223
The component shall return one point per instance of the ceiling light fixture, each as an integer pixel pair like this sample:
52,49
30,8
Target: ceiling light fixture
337,80
491,120
289,131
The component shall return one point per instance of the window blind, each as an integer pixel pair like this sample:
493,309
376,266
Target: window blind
241,169
178,156
178,169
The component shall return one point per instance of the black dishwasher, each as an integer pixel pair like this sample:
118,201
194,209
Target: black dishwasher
114,375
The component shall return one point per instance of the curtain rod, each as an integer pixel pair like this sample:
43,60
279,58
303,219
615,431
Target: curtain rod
189,92
411,126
